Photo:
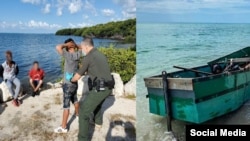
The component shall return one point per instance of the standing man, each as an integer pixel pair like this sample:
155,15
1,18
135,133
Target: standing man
71,57
97,67
36,75
10,71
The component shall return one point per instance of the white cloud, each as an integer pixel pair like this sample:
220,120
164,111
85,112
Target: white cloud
184,6
129,8
47,8
59,11
79,25
32,24
32,1
75,6
108,12
60,6
90,7
41,24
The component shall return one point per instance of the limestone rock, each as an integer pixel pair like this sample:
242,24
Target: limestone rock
54,86
50,85
130,87
5,93
119,87
58,85
83,87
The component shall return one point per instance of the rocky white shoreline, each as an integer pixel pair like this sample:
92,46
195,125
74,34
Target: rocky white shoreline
36,118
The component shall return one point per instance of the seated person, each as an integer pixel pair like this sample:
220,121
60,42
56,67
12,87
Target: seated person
36,75
10,71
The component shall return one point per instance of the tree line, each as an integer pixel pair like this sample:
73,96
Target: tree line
120,30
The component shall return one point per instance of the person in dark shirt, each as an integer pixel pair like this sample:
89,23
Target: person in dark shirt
10,71
95,64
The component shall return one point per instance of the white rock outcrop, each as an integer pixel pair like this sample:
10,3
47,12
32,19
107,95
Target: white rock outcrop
83,87
119,87
130,87
55,85
5,93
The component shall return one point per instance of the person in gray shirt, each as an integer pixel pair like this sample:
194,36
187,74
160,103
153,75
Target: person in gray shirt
10,71
71,56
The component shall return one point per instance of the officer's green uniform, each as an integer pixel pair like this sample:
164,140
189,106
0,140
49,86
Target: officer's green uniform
96,65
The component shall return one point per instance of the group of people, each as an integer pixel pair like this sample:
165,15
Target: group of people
9,71
100,82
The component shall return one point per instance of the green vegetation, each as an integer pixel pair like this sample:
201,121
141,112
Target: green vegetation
121,61
120,30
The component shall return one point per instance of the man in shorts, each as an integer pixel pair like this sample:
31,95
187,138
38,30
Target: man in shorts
71,63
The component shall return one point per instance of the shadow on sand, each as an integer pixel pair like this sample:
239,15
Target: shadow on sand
129,129
2,107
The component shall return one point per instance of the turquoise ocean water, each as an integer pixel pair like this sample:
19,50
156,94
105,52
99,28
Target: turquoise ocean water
161,46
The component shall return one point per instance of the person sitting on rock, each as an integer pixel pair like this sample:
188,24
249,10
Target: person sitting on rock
36,75
10,71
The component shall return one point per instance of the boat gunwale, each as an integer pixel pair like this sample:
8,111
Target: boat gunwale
187,80
197,78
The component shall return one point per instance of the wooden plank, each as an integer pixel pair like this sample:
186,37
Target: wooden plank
180,83
174,83
207,73
153,82
240,60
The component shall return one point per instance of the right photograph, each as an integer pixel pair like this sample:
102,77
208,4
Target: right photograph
193,66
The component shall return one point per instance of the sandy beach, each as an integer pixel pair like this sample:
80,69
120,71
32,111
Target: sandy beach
36,118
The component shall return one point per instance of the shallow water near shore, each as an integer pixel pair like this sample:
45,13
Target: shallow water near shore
27,48
161,46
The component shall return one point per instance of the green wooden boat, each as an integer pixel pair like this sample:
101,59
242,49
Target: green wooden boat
202,93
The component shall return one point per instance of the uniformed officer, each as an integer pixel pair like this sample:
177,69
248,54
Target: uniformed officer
95,64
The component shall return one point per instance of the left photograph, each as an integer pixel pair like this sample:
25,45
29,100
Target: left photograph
68,70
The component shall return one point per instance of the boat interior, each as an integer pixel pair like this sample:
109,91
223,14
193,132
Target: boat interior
235,62
209,70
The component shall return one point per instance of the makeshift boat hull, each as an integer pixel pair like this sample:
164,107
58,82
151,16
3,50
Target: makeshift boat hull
198,99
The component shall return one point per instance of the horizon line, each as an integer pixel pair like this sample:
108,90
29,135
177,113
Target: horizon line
24,33
194,22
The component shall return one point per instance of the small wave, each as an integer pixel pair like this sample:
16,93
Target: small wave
144,51
203,34
208,46
197,45
161,46
174,49
176,35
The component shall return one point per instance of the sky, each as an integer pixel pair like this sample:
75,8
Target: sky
193,11
47,16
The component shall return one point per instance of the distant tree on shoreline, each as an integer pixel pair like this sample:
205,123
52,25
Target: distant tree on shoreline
120,30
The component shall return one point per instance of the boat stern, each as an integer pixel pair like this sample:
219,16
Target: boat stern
181,97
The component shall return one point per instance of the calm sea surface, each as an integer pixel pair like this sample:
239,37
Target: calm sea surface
27,48
161,46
